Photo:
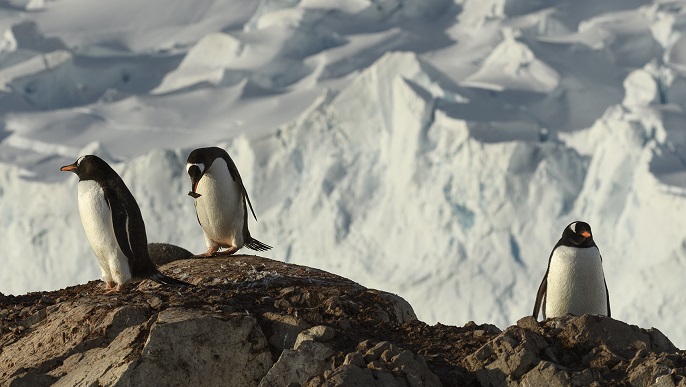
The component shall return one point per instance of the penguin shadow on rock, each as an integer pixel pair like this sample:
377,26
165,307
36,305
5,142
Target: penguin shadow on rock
113,225
221,202
574,282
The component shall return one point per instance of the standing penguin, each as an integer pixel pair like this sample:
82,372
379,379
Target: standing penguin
221,201
113,225
574,282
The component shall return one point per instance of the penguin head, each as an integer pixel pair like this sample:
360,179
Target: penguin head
578,234
195,171
199,161
90,167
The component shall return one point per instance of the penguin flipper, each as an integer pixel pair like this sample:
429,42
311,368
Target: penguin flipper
540,296
120,223
166,280
233,170
196,213
256,245
129,231
608,299
607,293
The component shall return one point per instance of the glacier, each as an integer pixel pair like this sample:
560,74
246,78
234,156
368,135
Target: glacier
434,149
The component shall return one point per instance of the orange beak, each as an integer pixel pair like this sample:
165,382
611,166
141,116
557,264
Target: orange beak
194,185
68,168
195,174
585,234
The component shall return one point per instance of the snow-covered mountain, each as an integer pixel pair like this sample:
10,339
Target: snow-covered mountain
435,149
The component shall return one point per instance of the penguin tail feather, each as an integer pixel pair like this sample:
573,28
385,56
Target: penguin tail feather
166,280
256,245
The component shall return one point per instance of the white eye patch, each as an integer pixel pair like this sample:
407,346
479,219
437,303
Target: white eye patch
573,227
200,166
78,162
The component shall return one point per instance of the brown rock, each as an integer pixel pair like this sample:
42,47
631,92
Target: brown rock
321,333
571,350
283,329
376,351
510,355
528,322
354,359
177,343
402,310
297,366
350,376
152,334
377,365
620,337
545,374
388,354
664,381
647,372
162,253
384,377
230,351
68,326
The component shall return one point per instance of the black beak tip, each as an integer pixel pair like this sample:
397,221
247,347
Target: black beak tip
194,194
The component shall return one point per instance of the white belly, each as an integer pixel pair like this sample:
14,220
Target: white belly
220,207
576,283
97,223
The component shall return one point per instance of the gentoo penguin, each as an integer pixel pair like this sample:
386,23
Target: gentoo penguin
574,282
220,201
113,225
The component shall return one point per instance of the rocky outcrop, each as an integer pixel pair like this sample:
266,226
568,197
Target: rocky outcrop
252,321
383,364
163,253
578,351
248,321
178,343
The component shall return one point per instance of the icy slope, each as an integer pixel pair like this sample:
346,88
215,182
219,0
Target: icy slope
435,149
412,199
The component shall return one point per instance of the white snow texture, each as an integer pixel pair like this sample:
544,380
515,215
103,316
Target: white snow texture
431,148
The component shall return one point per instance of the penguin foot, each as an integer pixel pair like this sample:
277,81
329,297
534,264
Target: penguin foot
112,289
210,252
228,251
214,252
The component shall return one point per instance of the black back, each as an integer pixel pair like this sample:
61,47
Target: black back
571,237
